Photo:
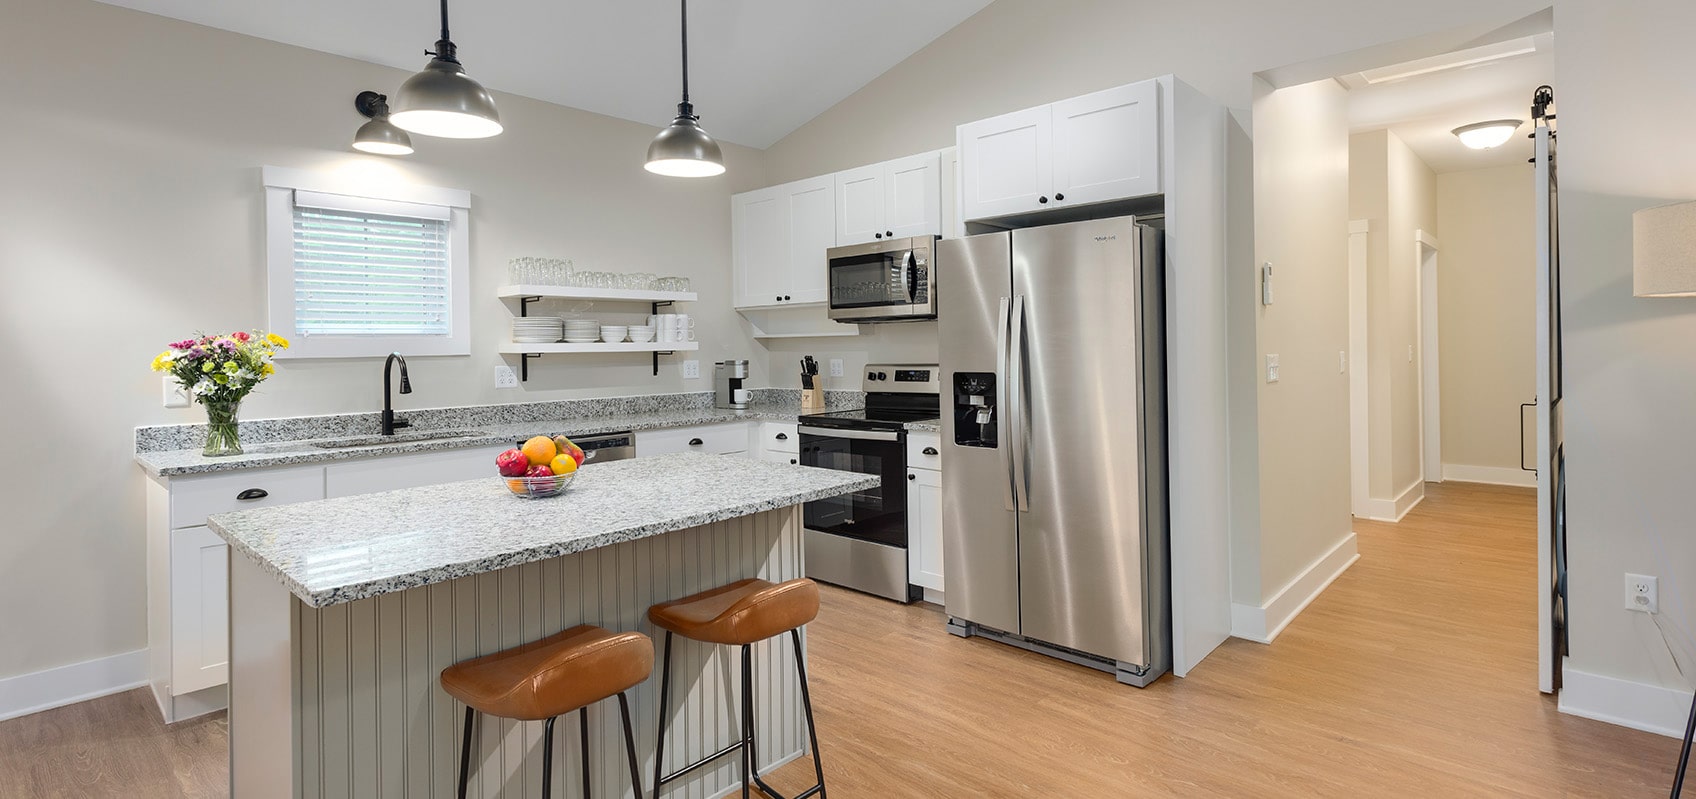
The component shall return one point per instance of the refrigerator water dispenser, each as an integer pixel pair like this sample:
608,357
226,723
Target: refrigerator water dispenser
974,409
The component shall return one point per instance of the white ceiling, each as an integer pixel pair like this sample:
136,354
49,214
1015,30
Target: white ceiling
1423,110
758,68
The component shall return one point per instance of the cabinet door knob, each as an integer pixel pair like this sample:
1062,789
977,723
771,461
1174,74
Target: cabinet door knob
780,298
1059,196
911,476
792,460
1042,199
877,235
889,233
694,442
253,494
782,436
930,450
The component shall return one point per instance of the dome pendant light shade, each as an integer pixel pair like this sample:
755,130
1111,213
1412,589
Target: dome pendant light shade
684,150
379,135
1485,135
442,100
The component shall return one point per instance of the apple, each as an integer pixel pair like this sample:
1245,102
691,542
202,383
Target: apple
512,463
539,470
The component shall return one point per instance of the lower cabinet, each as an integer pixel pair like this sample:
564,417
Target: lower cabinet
716,439
200,610
924,516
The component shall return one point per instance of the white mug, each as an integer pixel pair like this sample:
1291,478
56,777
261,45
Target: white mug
739,395
665,327
685,327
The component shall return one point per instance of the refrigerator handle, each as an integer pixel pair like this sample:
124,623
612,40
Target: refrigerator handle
1019,435
1002,414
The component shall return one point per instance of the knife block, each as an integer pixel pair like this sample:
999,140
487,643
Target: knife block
812,399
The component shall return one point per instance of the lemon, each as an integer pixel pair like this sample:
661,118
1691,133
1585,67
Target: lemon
563,464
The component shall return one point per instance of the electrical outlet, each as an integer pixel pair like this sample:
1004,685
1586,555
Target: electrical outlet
175,395
1271,368
691,369
1410,353
1642,593
505,377
835,367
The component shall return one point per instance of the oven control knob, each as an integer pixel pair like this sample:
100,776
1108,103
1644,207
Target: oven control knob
871,375
882,376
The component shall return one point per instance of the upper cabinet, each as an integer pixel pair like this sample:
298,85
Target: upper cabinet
1101,146
779,234
778,238
892,200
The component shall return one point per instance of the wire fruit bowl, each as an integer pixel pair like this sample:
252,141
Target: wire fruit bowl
539,487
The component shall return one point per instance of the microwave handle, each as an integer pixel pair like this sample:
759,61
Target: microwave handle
911,273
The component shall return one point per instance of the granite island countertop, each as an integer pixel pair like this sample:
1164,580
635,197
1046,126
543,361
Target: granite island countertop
332,551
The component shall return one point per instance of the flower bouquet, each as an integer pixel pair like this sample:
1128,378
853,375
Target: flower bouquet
218,371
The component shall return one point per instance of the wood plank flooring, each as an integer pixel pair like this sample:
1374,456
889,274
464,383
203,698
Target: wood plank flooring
1413,675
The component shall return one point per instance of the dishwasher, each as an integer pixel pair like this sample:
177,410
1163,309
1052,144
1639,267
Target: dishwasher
604,446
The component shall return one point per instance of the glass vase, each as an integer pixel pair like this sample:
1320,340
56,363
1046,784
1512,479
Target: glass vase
222,436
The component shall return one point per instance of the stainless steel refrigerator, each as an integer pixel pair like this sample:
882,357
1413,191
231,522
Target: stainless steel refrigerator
1054,449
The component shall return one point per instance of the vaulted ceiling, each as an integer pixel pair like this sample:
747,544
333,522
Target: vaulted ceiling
758,68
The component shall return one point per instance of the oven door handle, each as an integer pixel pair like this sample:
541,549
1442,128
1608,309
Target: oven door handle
863,435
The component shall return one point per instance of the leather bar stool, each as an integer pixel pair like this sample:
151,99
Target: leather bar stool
545,679
740,614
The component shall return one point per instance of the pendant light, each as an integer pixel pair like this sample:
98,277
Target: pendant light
379,136
684,150
1485,135
442,100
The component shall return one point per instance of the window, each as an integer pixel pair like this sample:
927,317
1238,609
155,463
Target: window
361,271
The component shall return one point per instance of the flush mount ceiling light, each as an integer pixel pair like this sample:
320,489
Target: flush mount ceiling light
1484,135
684,150
379,135
442,100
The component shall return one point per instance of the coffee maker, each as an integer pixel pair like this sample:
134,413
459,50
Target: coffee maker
727,384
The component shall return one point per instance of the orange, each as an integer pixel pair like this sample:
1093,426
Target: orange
563,463
540,449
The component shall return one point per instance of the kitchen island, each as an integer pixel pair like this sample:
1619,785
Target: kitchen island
343,612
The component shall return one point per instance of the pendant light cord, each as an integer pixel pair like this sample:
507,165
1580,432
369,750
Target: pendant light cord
445,49
685,5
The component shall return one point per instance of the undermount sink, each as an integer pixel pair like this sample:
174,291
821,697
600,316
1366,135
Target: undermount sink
398,438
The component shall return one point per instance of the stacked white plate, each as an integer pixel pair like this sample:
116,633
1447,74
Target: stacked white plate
582,331
536,330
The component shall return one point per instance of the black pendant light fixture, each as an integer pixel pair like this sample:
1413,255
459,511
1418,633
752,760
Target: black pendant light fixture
379,136
442,100
684,150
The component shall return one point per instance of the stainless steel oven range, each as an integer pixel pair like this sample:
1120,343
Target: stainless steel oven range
859,541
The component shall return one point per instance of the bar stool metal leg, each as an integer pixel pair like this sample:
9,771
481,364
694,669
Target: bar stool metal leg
665,695
630,745
812,729
583,736
465,752
548,758
748,761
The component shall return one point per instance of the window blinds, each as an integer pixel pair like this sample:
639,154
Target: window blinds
370,268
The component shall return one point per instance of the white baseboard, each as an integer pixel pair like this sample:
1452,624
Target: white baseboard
1493,475
65,685
1392,510
1640,706
1264,623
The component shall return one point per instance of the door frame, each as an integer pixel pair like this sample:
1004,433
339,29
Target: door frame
1425,254
1360,493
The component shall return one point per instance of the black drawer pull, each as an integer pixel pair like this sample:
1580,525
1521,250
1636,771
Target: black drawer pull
930,450
782,436
792,460
695,442
911,476
252,494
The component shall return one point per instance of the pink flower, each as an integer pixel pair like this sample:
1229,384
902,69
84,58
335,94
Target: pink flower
181,345
240,336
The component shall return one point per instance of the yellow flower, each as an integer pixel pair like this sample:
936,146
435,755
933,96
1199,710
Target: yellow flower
159,361
267,369
276,340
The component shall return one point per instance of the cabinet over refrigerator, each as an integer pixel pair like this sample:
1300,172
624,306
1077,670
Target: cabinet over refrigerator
1054,483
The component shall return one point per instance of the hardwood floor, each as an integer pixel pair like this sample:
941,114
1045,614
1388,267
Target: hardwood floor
1413,675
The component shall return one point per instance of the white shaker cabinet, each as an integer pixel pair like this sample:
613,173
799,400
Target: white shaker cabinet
778,238
1098,147
924,513
894,199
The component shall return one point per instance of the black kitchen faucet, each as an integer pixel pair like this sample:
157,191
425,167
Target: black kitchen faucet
390,423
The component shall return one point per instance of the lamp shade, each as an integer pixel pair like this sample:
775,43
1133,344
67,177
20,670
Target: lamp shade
443,101
380,137
1485,135
684,150
1663,251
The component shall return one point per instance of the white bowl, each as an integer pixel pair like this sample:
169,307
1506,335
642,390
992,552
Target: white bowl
612,334
642,338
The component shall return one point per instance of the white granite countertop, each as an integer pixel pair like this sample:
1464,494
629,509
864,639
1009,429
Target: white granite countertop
181,462
338,550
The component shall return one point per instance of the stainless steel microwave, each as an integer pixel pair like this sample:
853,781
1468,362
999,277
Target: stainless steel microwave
893,280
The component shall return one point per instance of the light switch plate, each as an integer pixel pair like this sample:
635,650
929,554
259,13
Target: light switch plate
835,367
691,369
1266,283
1271,368
505,377
1342,361
175,396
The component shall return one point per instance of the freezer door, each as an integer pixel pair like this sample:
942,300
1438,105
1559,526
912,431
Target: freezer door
980,566
1078,334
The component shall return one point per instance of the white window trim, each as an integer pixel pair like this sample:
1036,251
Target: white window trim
280,186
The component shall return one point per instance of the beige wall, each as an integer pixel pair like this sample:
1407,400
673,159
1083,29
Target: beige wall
1486,312
133,216
1396,194
1301,191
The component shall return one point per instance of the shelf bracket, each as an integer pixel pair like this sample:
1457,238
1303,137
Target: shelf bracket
524,305
524,365
657,353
